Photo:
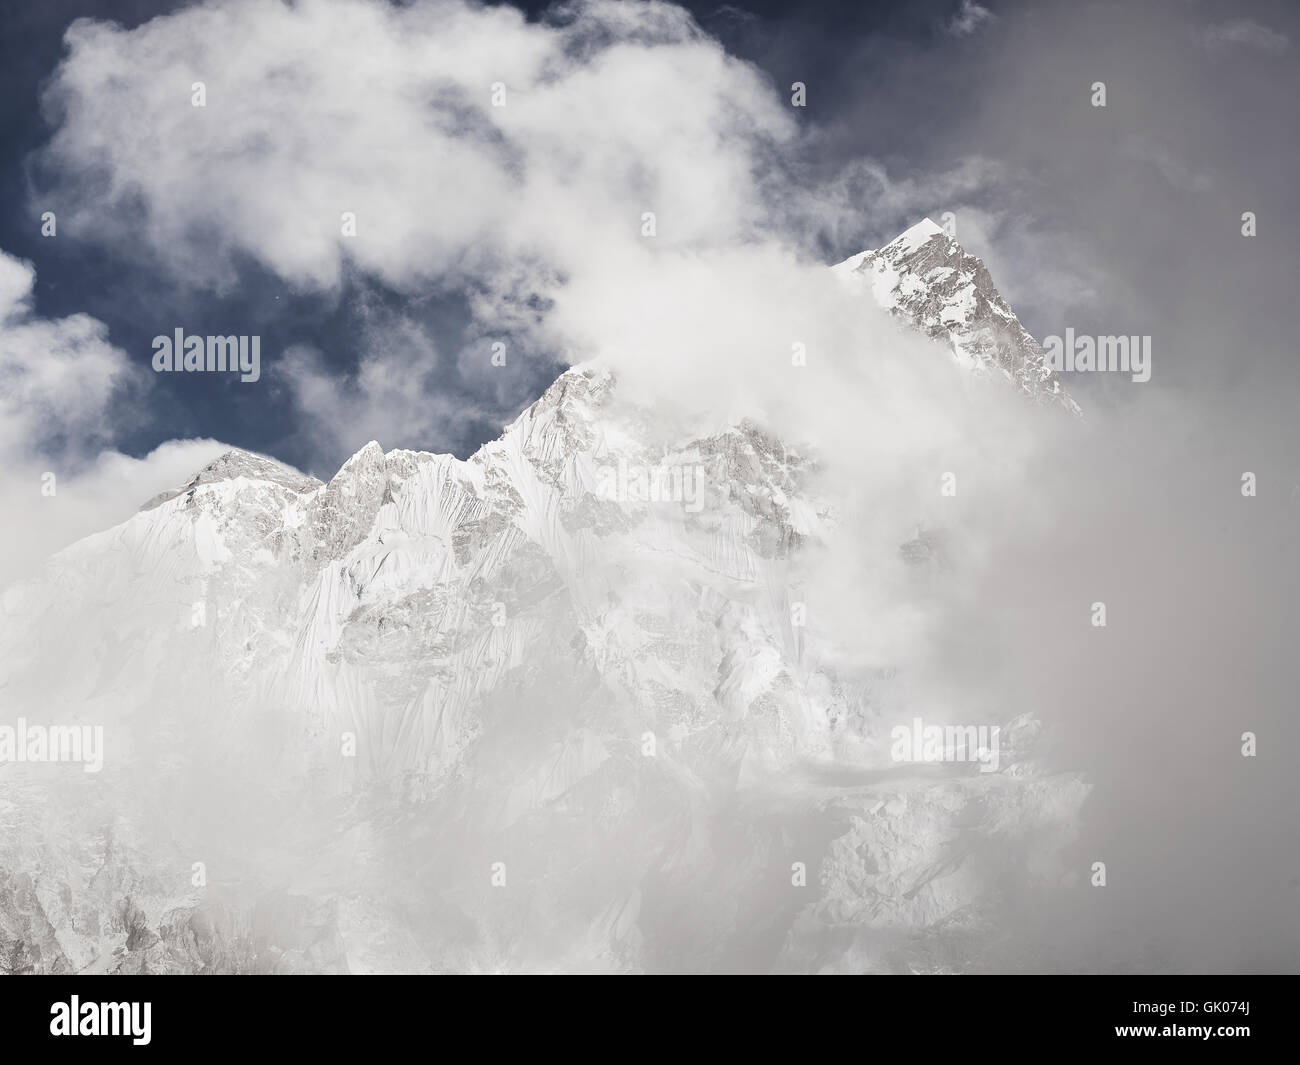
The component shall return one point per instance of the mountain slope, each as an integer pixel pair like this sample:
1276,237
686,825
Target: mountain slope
928,280
553,707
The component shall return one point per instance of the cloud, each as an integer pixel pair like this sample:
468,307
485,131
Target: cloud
88,498
1247,33
57,377
388,112
60,382
1022,253
392,396
1172,169
969,18
861,193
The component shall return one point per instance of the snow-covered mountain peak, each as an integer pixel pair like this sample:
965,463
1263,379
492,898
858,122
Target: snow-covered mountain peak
366,457
923,277
237,463
916,236
928,280
582,652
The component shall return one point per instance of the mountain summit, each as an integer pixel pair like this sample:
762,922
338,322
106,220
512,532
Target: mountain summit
240,463
927,279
